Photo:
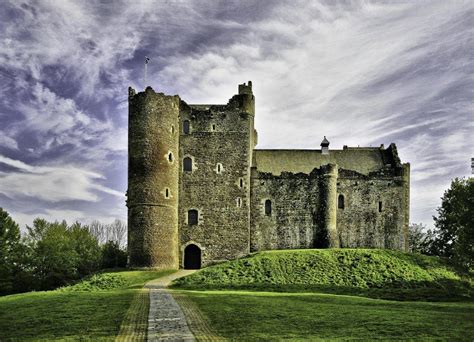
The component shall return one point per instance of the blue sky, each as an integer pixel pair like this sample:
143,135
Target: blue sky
360,72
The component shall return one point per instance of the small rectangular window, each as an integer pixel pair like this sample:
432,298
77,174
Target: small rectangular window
187,164
186,126
380,207
268,208
192,217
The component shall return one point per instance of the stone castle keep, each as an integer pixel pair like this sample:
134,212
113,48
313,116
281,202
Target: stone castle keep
199,192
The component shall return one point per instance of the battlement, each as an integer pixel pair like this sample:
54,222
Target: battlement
245,88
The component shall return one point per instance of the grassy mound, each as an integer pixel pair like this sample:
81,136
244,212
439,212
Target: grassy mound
367,272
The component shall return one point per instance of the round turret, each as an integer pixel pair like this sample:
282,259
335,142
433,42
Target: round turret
153,178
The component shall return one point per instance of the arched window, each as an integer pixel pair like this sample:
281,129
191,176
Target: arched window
268,208
193,217
186,126
340,202
187,164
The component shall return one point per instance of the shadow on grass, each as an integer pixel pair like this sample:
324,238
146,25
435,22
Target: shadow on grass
439,291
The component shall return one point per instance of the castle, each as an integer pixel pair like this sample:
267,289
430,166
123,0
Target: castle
200,193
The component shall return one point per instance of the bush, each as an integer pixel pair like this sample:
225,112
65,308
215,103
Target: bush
113,256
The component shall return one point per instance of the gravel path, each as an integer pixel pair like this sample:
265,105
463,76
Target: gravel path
166,321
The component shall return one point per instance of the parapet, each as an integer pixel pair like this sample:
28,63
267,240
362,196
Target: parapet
245,88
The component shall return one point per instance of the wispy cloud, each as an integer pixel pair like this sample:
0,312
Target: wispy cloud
361,73
52,184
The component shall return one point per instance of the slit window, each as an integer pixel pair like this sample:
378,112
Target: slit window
241,183
172,129
193,217
239,202
186,126
268,208
219,168
340,202
187,164
213,127
167,193
380,207
170,157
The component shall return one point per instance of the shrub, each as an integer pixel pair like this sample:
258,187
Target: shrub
113,256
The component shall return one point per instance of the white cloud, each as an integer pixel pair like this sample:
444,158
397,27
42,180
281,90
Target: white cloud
359,72
51,183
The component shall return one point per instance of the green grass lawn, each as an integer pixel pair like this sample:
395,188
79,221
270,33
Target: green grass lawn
91,310
272,316
333,294
365,272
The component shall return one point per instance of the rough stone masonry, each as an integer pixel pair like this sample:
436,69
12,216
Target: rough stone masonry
199,192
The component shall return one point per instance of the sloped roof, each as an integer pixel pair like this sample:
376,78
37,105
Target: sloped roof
360,159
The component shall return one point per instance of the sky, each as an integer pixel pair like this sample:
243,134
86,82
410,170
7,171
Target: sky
359,72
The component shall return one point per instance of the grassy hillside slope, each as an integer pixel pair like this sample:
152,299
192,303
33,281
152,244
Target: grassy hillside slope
94,309
366,272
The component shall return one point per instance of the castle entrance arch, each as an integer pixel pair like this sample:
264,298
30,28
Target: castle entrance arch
192,257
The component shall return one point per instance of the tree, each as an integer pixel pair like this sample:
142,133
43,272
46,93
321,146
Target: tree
118,232
61,254
87,249
455,223
113,256
10,252
420,239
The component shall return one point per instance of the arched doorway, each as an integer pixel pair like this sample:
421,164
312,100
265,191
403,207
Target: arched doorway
192,257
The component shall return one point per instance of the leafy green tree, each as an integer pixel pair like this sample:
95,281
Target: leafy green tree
61,254
420,239
113,256
10,250
455,223
87,249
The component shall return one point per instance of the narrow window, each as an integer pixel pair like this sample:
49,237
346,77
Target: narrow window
380,207
187,164
219,168
192,217
172,129
268,208
167,193
340,202
213,127
186,126
170,157
239,202
241,183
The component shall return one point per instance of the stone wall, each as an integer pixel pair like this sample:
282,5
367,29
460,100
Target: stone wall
153,175
362,223
295,210
220,145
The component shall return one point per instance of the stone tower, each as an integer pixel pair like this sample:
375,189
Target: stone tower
153,179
